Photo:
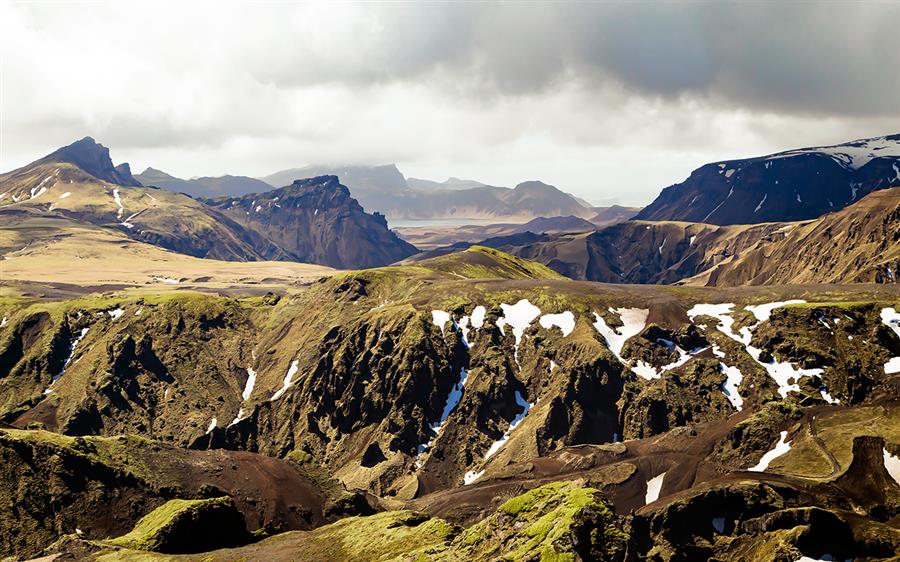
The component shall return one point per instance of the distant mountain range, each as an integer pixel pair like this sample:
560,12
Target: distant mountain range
385,189
793,185
205,186
316,222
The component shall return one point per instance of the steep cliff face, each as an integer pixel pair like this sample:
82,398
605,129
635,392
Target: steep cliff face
317,221
788,186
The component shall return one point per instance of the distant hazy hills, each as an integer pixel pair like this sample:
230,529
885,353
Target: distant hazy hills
386,190
205,186
793,185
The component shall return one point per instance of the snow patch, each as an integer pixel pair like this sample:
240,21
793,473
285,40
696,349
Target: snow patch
565,321
68,360
891,318
780,449
758,207
115,313
65,195
167,280
892,366
440,318
852,155
251,382
781,372
892,465
763,312
733,380
518,316
288,378
472,476
478,316
654,486
526,407
633,321
118,199
212,425
4,322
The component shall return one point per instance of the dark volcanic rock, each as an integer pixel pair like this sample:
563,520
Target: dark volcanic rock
794,185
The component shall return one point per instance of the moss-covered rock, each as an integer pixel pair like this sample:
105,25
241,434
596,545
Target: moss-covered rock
558,521
184,526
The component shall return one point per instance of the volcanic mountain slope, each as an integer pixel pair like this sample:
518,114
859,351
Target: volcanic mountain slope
55,186
316,220
52,187
203,186
787,186
858,244
454,385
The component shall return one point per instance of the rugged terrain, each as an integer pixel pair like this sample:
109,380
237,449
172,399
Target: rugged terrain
316,220
453,386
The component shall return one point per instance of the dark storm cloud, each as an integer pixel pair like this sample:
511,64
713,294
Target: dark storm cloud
809,58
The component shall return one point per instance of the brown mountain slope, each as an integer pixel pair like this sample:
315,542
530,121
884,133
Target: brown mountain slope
859,244
170,220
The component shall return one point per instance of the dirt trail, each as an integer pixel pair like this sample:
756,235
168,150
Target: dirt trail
835,466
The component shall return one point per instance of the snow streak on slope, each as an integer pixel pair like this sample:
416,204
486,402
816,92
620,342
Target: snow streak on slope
780,449
782,372
68,360
288,379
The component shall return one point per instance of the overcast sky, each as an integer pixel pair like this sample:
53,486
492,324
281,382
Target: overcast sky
609,101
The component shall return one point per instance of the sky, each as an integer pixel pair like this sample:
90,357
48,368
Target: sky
609,101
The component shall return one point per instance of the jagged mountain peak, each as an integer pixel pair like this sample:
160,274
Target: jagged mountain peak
93,158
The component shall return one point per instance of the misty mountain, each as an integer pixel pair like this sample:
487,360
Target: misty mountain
203,186
386,190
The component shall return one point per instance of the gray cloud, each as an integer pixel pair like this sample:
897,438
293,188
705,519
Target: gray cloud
604,99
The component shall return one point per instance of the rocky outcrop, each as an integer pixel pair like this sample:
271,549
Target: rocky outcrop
93,158
316,221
